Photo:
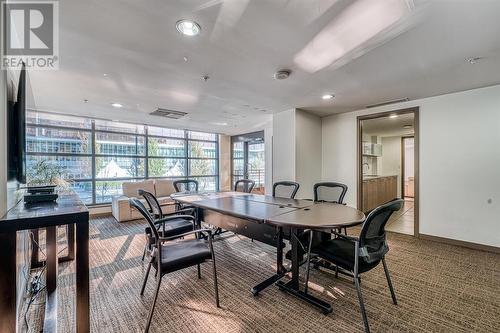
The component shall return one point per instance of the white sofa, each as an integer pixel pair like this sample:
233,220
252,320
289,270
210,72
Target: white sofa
161,188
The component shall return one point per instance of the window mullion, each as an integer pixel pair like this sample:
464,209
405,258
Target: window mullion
187,170
146,147
94,190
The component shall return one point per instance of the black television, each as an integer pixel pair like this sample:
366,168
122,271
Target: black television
16,131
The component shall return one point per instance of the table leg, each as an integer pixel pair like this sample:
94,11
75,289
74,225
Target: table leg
280,269
50,324
293,286
8,282
82,277
70,236
295,258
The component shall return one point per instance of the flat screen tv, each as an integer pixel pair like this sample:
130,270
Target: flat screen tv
16,131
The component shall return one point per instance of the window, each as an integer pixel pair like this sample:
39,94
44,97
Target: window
97,156
248,159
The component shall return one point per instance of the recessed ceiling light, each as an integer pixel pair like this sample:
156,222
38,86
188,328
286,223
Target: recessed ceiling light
188,27
116,105
393,116
105,75
219,124
328,96
185,59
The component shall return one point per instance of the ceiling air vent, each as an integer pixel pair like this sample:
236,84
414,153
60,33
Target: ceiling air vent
171,114
388,103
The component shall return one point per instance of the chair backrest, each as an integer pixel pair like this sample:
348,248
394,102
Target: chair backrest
135,203
372,238
186,185
330,192
244,185
153,203
285,189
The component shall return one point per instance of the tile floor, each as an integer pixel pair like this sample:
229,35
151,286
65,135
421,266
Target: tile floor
402,220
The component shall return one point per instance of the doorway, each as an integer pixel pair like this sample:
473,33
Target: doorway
248,159
388,165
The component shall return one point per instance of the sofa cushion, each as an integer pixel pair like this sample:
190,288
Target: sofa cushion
130,188
164,187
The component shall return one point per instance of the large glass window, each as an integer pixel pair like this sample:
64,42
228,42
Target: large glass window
97,156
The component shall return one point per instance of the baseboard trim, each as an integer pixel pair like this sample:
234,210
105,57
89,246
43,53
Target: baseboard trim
470,245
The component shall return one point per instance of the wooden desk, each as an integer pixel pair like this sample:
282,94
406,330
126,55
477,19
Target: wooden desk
266,219
68,210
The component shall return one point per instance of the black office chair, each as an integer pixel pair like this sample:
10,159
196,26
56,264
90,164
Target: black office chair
361,254
170,224
186,185
171,257
330,192
285,189
244,185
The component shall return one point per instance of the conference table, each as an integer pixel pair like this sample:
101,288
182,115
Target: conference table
271,220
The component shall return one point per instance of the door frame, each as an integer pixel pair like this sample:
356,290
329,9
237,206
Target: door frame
246,139
359,158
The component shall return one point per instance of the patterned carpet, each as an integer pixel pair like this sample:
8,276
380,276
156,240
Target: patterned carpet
440,288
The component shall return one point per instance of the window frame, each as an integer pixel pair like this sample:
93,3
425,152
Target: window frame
93,131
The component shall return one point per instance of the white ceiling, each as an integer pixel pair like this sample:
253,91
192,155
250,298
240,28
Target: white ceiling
242,44
387,126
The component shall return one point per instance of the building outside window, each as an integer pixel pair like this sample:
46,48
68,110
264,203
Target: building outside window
248,159
97,156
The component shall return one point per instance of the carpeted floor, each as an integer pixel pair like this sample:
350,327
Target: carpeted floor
440,288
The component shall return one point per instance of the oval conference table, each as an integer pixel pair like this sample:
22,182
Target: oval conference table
270,220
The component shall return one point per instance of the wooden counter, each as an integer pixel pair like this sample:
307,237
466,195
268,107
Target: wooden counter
379,190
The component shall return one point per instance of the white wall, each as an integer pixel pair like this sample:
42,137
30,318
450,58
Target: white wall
391,159
297,149
284,146
3,145
225,162
459,162
307,152
268,144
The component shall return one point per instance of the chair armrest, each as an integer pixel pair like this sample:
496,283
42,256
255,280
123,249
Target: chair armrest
174,217
165,220
185,209
349,238
209,231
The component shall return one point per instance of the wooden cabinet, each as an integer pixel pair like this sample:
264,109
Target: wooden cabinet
379,190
